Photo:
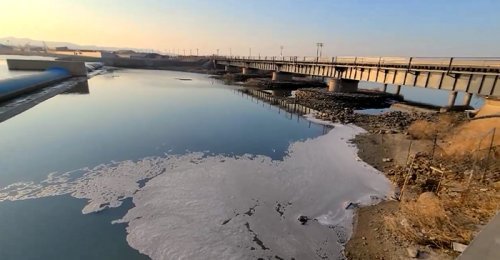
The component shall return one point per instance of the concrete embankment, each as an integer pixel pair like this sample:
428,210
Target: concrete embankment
74,68
194,65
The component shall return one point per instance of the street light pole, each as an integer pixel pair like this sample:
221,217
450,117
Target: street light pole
319,49
281,50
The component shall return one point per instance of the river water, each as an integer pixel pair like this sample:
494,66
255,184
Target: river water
143,164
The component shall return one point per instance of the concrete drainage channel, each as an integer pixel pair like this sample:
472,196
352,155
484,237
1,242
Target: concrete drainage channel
21,93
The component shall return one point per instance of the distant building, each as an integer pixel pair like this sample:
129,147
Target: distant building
36,48
124,52
6,47
108,55
146,56
64,48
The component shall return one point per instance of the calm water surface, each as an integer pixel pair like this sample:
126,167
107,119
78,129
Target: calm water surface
127,115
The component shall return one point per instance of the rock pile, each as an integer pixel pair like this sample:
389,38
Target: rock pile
339,107
320,99
293,84
391,122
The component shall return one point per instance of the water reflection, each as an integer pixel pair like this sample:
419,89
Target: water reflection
280,92
436,97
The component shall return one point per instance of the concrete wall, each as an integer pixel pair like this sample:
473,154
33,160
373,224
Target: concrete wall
280,76
75,68
153,63
342,85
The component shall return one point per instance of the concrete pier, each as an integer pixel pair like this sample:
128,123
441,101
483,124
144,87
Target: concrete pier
398,89
452,97
246,71
467,99
342,85
384,88
280,76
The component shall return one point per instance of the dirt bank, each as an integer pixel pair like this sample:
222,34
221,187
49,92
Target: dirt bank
417,159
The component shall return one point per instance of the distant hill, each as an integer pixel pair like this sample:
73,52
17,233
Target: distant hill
52,44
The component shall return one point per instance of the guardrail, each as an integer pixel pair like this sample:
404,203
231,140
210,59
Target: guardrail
466,62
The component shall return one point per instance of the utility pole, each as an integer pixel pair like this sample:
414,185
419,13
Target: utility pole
319,49
281,50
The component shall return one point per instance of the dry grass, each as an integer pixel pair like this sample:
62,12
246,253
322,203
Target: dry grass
474,136
438,221
426,130
461,207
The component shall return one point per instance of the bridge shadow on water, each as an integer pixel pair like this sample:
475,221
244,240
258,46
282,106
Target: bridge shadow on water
278,101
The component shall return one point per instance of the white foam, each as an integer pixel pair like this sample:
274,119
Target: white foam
312,117
216,207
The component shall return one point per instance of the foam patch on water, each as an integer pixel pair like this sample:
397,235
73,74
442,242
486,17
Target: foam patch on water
196,206
312,117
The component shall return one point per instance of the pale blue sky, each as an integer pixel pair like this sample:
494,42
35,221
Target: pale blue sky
355,27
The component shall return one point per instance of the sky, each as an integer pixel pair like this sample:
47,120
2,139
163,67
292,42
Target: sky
238,27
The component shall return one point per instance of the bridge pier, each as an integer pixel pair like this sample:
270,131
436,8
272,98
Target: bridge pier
452,97
280,76
342,85
467,99
384,88
398,89
246,71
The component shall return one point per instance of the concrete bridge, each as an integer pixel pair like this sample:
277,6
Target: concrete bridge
469,75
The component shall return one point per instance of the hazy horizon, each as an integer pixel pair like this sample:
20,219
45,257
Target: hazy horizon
356,28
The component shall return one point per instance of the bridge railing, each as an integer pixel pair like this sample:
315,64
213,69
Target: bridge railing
450,62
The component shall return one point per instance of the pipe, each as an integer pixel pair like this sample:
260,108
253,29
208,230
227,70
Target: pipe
14,87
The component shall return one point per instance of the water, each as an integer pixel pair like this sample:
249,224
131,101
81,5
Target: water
140,115
373,111
132,114
435,97
54,228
